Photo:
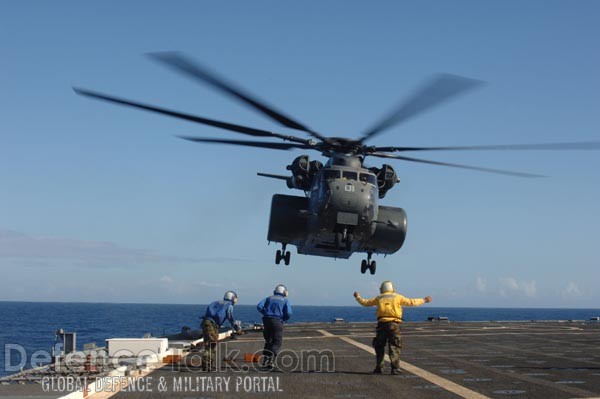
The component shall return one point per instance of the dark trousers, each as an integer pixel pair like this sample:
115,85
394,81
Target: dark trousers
273,334
388,333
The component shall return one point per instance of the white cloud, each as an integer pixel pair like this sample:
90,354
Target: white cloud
509,286
571,290
481,284
529,288
167,279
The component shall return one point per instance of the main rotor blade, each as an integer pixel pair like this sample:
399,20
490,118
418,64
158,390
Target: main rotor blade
261,144
583,145
439,89
185,65
193,118
454,165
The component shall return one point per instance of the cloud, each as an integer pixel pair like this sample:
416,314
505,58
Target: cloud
480,284
571,290
39,250
529,288
509,286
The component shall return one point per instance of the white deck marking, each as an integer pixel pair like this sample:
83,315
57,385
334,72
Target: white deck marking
326,333
426,375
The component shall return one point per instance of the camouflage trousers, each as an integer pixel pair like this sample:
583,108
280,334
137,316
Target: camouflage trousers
210,335
388,333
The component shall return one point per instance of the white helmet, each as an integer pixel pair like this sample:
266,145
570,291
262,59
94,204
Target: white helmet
231,296
280,290
386,286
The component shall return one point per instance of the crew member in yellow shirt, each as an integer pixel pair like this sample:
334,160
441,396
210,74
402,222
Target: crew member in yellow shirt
389,316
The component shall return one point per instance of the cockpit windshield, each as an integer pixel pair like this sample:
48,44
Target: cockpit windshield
330,174
368,178
349,175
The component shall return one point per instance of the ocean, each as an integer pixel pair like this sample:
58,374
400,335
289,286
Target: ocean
32,324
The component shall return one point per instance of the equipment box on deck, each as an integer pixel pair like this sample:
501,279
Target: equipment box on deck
135,346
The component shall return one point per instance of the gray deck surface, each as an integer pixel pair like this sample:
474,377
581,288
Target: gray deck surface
495,360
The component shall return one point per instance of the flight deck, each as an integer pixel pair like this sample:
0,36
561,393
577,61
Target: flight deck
440,359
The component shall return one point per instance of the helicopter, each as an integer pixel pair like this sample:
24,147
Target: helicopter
339,213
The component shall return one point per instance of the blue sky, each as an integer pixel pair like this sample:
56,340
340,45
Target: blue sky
102,203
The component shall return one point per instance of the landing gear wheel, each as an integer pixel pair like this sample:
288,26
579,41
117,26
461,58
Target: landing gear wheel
368,264
363,266
286,258
278,257
373,267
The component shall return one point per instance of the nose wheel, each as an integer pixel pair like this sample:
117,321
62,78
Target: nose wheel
282,255
368,264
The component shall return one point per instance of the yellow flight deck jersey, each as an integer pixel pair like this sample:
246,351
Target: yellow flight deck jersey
389,305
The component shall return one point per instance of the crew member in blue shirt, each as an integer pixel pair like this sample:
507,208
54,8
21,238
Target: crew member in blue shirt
275,309
216,314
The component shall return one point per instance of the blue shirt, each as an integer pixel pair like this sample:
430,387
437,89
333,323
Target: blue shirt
219,312
275,306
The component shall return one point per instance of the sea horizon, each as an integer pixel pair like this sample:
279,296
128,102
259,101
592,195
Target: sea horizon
297,304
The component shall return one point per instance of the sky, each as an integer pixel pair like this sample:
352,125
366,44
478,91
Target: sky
100,203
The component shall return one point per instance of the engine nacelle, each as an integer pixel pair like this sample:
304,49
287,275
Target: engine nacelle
386,178
303,172
390,232
287,225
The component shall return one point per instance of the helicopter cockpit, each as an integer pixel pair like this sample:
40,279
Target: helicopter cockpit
333,174
368,178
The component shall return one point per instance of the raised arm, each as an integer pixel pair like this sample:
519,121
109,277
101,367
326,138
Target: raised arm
413,301
365,302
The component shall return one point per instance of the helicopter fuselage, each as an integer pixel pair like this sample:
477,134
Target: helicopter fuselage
343,207
340,214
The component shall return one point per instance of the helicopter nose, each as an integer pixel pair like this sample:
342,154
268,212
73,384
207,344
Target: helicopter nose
349,196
